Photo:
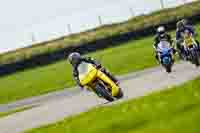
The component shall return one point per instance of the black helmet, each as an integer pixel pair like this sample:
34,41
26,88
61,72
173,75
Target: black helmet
74,58
161,30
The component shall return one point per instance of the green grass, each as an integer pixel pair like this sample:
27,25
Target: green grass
133,24
175,110
4,114
129,57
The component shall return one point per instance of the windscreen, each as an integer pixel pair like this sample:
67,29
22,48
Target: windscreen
163,45
83,68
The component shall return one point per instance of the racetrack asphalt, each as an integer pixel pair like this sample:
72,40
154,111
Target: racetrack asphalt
56,106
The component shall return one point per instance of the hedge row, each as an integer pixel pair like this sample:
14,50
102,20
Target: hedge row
106,31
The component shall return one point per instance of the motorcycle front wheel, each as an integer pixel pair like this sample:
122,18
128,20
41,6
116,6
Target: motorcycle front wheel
101,90
168,68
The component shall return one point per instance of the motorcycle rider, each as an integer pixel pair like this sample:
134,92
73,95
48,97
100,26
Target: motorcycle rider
186,23
161,36
75,59
182,27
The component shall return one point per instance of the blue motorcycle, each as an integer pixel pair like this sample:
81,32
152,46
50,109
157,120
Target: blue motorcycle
166,58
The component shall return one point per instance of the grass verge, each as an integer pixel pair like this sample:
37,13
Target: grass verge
133,24
129,57
176,110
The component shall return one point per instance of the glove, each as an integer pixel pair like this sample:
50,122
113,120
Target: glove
98,66
174,51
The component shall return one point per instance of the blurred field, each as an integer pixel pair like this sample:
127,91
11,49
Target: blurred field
176,110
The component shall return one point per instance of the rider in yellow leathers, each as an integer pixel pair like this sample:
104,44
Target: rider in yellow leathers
76,59
184,27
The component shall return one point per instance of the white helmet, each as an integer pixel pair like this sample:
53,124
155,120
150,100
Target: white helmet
161,30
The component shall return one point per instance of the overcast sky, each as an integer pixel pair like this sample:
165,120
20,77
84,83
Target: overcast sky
19,15
16,14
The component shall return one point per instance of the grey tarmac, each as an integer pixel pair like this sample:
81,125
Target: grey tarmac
134,85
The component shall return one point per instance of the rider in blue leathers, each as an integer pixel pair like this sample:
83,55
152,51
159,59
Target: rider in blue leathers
161,35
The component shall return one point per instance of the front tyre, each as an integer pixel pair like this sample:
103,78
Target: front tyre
101,90
167,63
168,68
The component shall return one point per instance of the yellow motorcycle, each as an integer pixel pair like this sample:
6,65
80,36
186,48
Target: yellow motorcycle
191,48
93,79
